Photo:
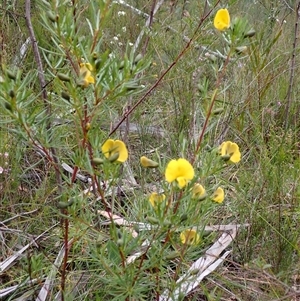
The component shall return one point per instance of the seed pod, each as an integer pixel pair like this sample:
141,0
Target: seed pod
63,77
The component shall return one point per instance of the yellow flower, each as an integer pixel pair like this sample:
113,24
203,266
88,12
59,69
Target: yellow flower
218,195
156,199
148,163
230,151
198,192
86,74
222,19
180,170
189,237
115,150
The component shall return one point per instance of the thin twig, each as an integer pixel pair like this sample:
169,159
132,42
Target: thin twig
165,72
17,216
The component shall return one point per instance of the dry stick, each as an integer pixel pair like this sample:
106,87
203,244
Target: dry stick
292,74
148,23
151,17
185,49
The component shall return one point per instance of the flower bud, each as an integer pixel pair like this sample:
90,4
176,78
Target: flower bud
12,93
225,157
11,74
114,157
63,77
152,220
217,111
121,66
70,201
241,50
173,255
65,95
250,33
120,242
97,161
138,58
62,205
183,217
148,163
87,126
52,17
8,106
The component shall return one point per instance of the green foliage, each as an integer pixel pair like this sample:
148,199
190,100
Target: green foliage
56,178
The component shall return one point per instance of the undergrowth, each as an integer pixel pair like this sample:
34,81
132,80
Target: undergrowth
130,148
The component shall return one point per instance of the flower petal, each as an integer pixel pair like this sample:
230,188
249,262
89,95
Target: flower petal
148,163
85,74
180,170
189,237
156,199
198,192
121,148
230,151
115,147
222,19
106,147
218,195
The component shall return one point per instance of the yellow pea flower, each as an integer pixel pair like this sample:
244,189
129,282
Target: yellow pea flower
189,237
198,192
222,19
218,196
156,199
85,73
148,163
230,151
180,170
115,150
